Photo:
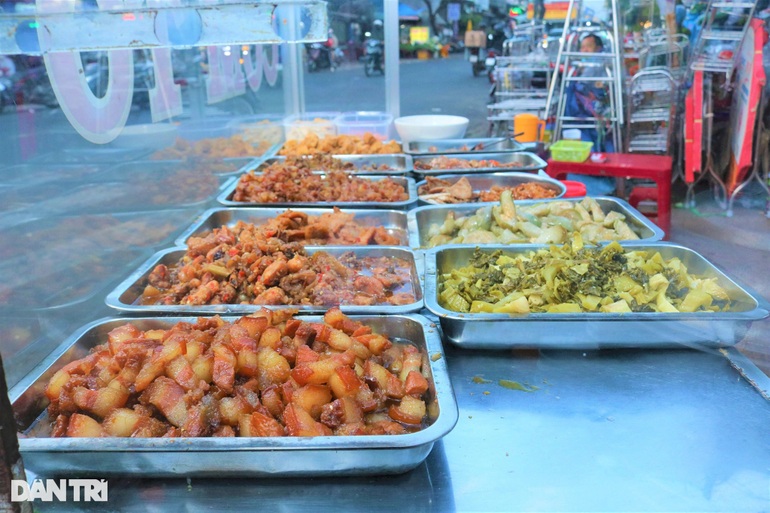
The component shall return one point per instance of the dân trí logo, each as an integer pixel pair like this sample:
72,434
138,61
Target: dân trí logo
86,490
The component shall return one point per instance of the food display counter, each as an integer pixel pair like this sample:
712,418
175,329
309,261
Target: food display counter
487,409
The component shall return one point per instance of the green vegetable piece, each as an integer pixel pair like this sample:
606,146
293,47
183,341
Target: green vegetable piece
515,385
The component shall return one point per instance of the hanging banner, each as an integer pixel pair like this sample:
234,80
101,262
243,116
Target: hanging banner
749,81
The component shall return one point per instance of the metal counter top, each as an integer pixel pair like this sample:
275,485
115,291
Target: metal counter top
613,430
620,430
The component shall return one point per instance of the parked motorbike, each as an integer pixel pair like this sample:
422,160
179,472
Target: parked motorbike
32,86
373,57
320,56
489,64
482,60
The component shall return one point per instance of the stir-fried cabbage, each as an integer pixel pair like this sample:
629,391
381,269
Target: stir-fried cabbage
573,278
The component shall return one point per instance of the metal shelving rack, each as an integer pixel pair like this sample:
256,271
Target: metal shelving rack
717,30
514,93
651,111
569,60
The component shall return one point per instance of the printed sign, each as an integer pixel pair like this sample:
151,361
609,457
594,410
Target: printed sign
453,12
419,35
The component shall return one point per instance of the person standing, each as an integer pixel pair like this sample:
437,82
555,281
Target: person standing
590,100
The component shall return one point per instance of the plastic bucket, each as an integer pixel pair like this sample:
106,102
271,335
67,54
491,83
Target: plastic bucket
529,127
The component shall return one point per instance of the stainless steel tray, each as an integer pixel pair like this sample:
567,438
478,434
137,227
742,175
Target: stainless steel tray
226,197
125,295
53,175
393,221
421,218
397,163
233,166
485,181
227,457
523,161
471,145
595,330
100,155
62,279
93,233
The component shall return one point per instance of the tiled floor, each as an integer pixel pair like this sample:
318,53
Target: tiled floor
739,245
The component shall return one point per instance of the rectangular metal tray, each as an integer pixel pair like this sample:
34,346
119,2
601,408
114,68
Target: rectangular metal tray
125,295
394,221
106,197
226,197
62,282
221,167
523,161
228,457
57,175
397,163
93,233
421,218
485,181
100,155
470,145
595,330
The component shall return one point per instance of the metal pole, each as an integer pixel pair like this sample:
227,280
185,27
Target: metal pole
392,75
293,69
618,58
556,73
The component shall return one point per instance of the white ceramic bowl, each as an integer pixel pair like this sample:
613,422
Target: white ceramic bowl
430,127
154,136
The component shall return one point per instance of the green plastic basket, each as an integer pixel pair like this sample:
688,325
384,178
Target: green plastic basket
571,151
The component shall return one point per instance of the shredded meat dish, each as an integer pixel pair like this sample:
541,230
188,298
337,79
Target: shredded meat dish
286,183
444,162
438,190
524,191
264,375
256,267
323,162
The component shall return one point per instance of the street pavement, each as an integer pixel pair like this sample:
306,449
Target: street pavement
434,86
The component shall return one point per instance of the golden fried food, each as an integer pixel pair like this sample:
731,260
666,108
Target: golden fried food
264,375
367,144
524,191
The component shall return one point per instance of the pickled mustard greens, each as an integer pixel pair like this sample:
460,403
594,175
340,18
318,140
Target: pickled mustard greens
543,223
573,279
